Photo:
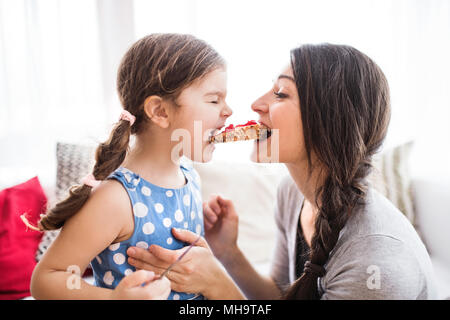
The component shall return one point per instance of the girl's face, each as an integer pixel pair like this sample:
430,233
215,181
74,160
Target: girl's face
203,110
279,109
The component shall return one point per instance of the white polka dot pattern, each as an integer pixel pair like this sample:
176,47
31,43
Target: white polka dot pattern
159,208
148,228
187,200
146,191
119,258
127,272
140,210
179,215
142,244
167,222
114,246
108,278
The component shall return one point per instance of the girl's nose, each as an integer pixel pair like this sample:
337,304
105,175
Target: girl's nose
226,112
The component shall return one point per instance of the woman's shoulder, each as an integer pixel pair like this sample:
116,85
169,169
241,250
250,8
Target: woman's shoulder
379,255
288,200
288,191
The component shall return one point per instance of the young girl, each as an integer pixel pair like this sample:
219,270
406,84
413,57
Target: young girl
134,197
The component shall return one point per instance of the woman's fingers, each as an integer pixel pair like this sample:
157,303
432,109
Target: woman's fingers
214,205
143,259
209,214
166,255
189,237
208,225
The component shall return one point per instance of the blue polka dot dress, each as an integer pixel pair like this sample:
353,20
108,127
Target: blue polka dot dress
156,211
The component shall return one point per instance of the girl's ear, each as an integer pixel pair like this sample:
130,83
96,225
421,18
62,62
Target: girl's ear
155,109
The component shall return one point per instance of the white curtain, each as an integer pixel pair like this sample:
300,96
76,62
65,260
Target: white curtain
409,39
58,60
56,78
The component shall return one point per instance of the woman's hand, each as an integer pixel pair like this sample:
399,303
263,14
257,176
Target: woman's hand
131,287
197,272
221,227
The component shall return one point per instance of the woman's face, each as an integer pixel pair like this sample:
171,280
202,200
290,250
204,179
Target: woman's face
203,110
279,109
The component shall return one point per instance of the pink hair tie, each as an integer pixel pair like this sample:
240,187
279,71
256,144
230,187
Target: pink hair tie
125,115
90,181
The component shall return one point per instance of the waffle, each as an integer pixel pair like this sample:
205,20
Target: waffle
249,131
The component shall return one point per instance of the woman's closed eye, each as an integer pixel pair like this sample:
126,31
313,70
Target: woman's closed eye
280,95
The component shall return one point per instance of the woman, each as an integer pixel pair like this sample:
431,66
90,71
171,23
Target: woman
337,237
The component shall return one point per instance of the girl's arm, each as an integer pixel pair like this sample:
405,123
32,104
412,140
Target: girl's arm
104,218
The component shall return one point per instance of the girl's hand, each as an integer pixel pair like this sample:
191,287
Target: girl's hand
221,227
197,272
130,287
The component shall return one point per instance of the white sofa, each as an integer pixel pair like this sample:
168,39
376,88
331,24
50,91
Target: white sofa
253,187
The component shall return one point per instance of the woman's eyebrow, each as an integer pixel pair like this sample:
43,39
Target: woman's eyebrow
284,76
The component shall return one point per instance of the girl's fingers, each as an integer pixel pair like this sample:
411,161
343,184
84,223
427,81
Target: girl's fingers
138,278
159,289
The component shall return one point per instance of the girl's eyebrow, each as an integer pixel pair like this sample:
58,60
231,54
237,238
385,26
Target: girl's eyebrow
214,93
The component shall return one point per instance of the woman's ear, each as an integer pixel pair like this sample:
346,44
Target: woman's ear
155,109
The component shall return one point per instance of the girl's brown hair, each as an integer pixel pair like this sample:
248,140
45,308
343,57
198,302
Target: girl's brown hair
158,64
345,109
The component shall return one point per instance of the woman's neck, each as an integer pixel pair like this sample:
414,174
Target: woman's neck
308,186
306,183
152,159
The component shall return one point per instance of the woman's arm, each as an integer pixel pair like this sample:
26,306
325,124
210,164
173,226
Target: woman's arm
84,235
221,225
199,271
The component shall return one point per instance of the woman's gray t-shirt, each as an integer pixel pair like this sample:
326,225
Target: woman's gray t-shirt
378,255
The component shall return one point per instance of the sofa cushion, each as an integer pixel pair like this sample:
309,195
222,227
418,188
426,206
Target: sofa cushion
18,244
74,161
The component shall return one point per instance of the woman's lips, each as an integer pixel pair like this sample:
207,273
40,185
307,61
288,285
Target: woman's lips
266,133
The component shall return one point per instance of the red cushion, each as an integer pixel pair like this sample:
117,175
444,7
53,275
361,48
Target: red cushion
18,244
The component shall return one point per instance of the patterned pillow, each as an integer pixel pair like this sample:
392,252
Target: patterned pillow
74,162
391,177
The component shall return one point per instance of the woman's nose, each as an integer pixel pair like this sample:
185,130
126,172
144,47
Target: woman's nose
260,105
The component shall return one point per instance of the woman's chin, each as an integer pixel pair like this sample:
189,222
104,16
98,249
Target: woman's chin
263,152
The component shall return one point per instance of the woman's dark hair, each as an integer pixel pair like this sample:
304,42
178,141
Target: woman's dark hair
158,64
345,111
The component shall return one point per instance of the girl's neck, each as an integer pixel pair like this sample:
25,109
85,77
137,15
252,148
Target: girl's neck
151,158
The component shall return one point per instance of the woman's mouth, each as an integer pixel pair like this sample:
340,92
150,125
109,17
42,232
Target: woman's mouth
264,133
